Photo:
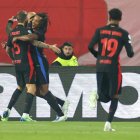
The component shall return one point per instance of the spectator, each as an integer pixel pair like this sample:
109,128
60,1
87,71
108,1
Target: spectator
66,57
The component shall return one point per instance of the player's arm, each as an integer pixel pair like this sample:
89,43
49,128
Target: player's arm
9,25
29,37
93,42
9,52
44,45
9,48
128,46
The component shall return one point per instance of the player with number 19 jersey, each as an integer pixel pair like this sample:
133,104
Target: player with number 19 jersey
111,39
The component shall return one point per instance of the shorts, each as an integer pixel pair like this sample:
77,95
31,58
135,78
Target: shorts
24,77
42,72
108,85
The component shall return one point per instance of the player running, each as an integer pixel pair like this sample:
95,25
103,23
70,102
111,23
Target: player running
110,39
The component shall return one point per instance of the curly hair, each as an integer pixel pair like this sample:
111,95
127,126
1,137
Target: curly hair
44,21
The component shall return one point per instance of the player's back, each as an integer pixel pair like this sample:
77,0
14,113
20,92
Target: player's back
112,38
20,48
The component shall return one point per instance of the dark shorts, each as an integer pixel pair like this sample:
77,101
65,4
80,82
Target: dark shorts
42,72
25,77
108,85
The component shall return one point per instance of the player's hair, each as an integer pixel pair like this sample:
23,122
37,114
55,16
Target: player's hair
44,21
115,14
21,16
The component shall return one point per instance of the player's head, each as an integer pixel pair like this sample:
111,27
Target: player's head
21,16
115,14
30,16
40,21
67,49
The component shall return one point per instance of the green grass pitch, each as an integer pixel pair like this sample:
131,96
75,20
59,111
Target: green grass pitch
14,130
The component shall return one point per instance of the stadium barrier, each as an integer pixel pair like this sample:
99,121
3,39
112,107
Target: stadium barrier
75,83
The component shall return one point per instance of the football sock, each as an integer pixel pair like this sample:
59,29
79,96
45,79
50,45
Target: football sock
14,98
59,101
112,109
28,102
53,103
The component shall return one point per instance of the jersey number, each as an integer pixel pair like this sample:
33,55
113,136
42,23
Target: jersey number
16,48
109,45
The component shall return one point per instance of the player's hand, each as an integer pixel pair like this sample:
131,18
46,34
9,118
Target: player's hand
4,44
12,19
55,49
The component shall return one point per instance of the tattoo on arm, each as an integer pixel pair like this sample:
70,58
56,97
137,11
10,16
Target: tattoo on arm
40,44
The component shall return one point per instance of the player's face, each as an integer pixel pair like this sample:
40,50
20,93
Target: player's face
67,50
36,22
30,16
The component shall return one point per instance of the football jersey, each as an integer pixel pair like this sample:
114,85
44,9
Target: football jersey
37,52
110,40
20,48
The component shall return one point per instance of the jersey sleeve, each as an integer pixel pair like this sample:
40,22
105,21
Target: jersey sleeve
128,45
93,42
9,42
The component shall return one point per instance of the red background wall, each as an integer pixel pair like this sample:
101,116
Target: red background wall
71,20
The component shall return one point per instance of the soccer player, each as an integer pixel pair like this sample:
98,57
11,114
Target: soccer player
25,72
110,39
64,104
39,28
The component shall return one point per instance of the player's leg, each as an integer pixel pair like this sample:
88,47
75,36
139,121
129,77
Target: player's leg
94,96
102,89
115,90
31,90
14,97
103,85
13,100
42,75
46,68
48,96
29,77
